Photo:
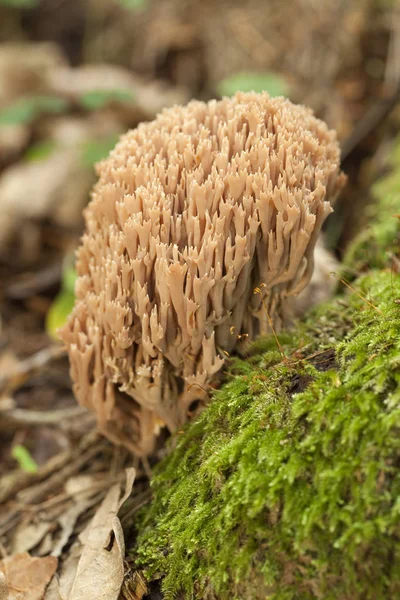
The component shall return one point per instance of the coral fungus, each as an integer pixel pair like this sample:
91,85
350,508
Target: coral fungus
191,213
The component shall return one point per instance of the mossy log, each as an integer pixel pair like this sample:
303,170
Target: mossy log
287,486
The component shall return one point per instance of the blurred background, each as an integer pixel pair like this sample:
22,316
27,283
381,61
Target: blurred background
76,74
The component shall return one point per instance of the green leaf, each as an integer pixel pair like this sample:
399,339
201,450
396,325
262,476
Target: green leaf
59,311
20,112
51,104
96,99
68,279
24,458
39,151
19,3
94,151
24,110
63,303
248,81
133,4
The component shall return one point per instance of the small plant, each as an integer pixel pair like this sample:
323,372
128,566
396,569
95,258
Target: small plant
93,151
64,301
249,81
26,109
97,99
135,5
24,459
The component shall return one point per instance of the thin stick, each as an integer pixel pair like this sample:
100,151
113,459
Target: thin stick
257,290
348,285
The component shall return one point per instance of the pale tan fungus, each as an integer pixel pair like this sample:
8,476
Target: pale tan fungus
191,213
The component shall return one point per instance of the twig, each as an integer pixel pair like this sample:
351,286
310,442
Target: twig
257,290
22,371
359,294
30,283
392,69
21,416
17,480
380,111
373,118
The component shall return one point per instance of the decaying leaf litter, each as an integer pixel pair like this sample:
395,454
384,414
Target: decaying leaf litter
50,494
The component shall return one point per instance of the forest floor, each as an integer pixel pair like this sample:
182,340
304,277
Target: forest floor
72,80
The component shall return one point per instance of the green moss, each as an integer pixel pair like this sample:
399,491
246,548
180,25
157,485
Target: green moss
294,491
288,485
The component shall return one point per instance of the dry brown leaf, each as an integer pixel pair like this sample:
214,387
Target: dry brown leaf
27,536
13,139
60,586
149,97
58,181
8,362
24,68
26,576
102,577
68,520
134,587
99,572
45,547
78,484
52,591
3,587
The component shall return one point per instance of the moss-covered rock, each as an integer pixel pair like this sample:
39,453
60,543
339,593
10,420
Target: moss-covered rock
288,485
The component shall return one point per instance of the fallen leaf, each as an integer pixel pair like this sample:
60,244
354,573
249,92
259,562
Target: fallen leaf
60,586
27,576
67,521
3,587
46,545
99,572
78,484
25,67
52,590
27,536
150,97
58,187
8,361
134,587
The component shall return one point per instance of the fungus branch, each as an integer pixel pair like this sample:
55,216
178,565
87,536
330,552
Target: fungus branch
191,213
